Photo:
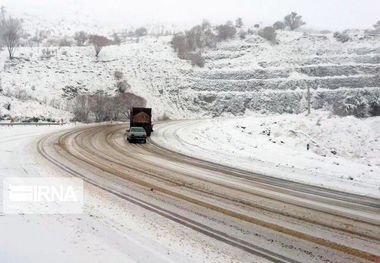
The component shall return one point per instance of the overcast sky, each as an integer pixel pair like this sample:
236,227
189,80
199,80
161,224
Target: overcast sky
319,14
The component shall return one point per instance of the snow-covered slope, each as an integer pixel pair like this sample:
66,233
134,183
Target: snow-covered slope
259,76
344,152
238,75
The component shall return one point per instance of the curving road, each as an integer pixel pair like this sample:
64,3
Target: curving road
271,218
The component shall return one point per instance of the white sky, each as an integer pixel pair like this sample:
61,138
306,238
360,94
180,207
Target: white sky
320,14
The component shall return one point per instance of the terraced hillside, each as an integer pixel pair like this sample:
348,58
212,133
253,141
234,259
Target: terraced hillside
256,75
239,75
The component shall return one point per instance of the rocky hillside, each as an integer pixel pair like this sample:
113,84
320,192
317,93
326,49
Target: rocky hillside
239,75
256,75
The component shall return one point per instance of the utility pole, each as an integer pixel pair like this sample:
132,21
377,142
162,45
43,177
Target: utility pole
308,100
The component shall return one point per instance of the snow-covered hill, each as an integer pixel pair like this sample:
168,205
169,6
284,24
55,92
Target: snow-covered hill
343,152
259,76
239,75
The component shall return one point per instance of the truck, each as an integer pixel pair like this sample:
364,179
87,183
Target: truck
142,117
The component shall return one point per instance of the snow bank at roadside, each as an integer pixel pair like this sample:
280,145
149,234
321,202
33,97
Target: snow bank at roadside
21,110
344,151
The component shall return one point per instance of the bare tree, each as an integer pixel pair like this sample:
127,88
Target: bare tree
293,21
268,33
377,27
81,108
81,38
206,24
226,31
99,106
279,25
142,31
179,43
10,33
116,39
124,102
99,42
239,22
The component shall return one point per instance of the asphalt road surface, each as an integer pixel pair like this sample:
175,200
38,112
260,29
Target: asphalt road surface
266,217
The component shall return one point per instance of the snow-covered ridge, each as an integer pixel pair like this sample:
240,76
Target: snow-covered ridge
239,75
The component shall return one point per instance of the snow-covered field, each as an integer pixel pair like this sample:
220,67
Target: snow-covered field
344,151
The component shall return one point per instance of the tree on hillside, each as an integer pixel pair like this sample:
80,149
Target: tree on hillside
116,39
239,22
123,104
268,33
81,38
81,108
226,31
293,21
205,24
377,27
279,25
10,33
99,42
180,44
142,31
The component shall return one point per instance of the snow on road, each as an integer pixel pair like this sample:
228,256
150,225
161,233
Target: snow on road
109,230
344,152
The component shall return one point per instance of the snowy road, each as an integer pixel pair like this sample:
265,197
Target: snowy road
254,216
144,203
110,229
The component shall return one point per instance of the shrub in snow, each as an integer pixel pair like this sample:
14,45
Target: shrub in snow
142,31
47,53
242,34
279,25
377,27
354,105
268,33
179,44
226,31
116,40
342,37
324,31
99,42
239,22
21,94
69,92
195,39
118,75
206,25
81,38
122,86
196,59
64,43
293,21
250,31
